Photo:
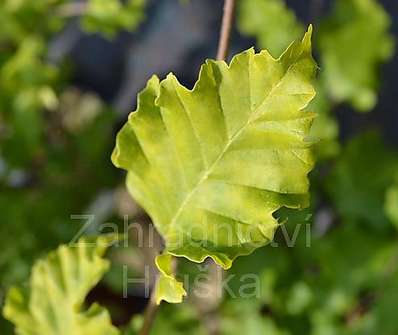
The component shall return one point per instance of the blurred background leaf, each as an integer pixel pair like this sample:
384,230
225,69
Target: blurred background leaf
353,41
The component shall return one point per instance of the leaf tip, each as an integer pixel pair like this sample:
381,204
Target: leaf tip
308,37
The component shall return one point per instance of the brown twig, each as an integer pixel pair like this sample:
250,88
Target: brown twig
150,313
226,26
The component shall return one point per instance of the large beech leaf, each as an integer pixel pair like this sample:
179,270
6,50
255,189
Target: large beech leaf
57,289
354,41
212,164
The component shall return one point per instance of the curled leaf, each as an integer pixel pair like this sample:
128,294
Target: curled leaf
167,287
52,304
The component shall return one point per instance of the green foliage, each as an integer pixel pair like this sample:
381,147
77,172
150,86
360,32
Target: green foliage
243,316
51,138
58,286
335,286
344,283
383,317
353,42
325,129
175,319
360,178
238,138
29,86
108,17
391,204
273,25
24,18
54,191
27,83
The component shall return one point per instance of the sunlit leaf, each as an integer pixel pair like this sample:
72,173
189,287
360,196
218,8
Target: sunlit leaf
212,164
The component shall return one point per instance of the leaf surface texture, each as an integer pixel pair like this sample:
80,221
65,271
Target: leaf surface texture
210,165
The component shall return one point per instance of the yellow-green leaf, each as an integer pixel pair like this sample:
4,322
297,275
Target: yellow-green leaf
52,304
211,165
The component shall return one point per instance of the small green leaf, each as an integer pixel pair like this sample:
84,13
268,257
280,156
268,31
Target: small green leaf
353,41
167,287
52,304
271,22
211,165
109,16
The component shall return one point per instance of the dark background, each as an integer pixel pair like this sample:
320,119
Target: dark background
178,38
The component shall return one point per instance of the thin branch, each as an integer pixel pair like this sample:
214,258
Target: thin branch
150,313
228,17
